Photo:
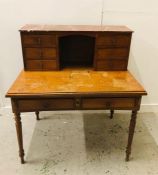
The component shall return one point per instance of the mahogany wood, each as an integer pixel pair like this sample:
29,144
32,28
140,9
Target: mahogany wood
19,136
75,89
100,47
111,113
131,134
37,115
77,82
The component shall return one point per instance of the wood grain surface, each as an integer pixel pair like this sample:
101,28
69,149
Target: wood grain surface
75,81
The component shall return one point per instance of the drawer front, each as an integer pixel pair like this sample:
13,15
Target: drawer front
41,65
73,104
108,103
40,53
45,104
114,40
38,40
49,53
112,53
48,41
33,65
49,64
33,53
112,65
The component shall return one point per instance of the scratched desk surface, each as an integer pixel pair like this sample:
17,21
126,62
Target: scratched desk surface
74,81
91,28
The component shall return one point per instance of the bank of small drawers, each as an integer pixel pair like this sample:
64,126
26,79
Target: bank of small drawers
40,51
112,51
75,103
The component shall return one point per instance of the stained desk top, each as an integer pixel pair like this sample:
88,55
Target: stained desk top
88,28
76,82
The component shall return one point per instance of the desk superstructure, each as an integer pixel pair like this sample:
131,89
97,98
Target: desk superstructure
74,88
53,47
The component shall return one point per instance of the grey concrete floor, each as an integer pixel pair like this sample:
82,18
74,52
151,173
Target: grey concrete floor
79,143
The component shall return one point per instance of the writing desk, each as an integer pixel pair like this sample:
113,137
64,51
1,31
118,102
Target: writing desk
77,89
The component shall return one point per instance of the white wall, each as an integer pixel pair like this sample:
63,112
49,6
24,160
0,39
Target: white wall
139,15
142,17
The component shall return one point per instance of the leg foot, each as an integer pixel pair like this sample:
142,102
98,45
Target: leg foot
22,161
37,115
127,158
111,114
19,135
131,134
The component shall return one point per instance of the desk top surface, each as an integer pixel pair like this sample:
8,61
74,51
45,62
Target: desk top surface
73,28
74,82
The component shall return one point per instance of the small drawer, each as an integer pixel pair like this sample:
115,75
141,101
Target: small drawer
48,40
49,64
45,104
40,53
49,53
108,103
33,65
41,65
111,65
38,40
112,53
33,53
114,40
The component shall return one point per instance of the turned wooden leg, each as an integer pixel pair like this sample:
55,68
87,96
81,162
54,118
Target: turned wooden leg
37,115
111,113
131,134
19,136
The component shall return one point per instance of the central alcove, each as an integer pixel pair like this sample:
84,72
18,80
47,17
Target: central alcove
76,50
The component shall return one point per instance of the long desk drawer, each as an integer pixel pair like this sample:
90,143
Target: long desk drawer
45,104
108,103
73,104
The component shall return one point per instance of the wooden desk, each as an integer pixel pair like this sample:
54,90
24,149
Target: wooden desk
75,90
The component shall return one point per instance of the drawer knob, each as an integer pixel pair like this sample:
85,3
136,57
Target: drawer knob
77,103
108,104
39,41
46,105
40,53
113,41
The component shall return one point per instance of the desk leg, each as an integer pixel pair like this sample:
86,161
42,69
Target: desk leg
131,134
111,114
19,136
37,115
